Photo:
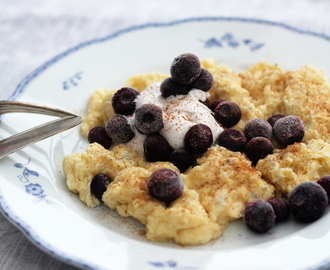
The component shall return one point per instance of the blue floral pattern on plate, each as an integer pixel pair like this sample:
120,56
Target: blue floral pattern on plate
72,81
34,189
230,40
170,264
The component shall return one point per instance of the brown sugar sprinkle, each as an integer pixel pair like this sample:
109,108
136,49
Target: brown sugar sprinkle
234,166
226,181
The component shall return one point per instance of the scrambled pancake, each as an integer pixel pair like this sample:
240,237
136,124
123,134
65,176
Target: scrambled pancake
222,182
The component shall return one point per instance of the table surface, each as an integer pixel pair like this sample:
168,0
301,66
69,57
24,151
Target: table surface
32,32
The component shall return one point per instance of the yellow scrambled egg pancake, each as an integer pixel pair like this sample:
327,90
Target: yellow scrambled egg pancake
217,189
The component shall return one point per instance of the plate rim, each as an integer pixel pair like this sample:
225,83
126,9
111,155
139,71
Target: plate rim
9,213
23,84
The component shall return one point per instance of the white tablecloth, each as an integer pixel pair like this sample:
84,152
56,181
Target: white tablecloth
33,31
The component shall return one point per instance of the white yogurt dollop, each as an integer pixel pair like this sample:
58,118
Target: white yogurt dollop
180,113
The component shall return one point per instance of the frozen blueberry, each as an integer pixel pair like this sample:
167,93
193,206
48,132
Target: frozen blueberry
206,102
149,119
281,208
156,148
258,148
99,135
123,101
165,185
204,81
198,138
215,103
227,113
232,139
271,120
258,127
185,68
288,130
308,201
182,159
99,184
259,216
325,183
119,129
169,87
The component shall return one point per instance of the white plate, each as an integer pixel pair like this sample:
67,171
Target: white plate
33,190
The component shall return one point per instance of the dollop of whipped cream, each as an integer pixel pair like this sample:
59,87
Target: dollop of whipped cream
180,113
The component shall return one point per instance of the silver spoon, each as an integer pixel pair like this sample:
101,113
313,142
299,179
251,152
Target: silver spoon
38,133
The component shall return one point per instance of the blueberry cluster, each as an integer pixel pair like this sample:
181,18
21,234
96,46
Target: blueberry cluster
307,202
117,128
164,184
186,74
256,140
